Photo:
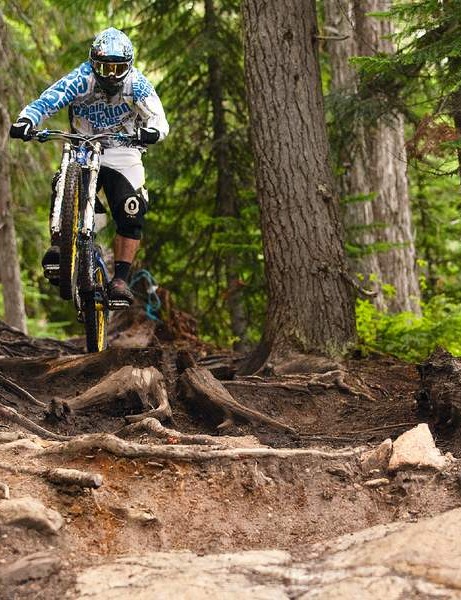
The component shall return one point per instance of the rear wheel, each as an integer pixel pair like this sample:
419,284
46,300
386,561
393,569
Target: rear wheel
96,315
69,231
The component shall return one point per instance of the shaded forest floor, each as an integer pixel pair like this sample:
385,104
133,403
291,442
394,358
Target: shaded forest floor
219,505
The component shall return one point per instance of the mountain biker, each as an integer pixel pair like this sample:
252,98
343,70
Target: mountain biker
107,94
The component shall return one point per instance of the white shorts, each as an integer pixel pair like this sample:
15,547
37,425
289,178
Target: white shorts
126,161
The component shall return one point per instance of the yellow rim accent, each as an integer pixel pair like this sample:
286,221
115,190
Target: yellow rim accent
74,233
99,307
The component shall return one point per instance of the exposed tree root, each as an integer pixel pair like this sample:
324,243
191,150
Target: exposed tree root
312,369
153,426
337,380
114,445
303,383
199,387
12,415
221,366
19,391
130,386
82,479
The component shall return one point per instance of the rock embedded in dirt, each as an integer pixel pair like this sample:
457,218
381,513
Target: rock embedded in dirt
377,459
142,517
416,449
374,483
394,561
185,575
33,566
4,491
10,436
19,444
398,563
31,513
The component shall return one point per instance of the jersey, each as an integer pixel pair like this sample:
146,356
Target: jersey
92,110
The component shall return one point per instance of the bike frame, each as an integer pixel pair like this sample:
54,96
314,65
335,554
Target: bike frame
89,290
88,154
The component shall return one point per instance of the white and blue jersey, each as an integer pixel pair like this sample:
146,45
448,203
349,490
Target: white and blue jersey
136,104
91,111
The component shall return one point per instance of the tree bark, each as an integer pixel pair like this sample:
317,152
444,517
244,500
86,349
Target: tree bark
374,159
10,274
226,193
310,305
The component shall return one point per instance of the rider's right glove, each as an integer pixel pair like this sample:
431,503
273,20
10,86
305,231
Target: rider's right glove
22,129
147,135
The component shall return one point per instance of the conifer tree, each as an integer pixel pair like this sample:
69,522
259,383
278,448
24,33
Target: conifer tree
372,158
421,80
310,298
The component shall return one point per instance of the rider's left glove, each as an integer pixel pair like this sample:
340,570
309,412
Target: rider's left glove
22,129
147,135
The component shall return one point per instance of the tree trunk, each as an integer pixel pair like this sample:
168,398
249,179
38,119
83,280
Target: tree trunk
374,160
10,275
310,305
226,193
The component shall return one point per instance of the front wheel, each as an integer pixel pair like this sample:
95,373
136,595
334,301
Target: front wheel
96,315
69,231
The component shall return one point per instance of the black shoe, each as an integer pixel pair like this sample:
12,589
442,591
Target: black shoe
50,264
118,291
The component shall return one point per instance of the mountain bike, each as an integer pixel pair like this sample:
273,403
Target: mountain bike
82,272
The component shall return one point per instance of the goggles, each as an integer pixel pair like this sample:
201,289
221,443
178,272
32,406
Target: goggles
111,69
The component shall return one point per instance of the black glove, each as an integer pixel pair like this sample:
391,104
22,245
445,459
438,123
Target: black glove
22,129
147,135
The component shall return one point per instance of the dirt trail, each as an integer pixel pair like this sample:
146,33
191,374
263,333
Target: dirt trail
224,504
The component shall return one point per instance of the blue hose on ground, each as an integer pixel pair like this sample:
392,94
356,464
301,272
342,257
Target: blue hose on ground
153,304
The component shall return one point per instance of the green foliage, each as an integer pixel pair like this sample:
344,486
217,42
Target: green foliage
189,239
409,336
436,213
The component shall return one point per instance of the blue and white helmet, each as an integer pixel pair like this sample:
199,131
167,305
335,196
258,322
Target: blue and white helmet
111,58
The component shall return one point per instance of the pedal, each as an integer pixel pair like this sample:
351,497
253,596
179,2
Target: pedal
118,304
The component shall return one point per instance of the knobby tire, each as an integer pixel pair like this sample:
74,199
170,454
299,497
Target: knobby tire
94,309
69,231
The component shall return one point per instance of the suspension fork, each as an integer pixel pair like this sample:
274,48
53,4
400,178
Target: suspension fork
55,224
93,166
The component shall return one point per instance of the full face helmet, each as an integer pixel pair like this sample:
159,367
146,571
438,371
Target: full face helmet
111,58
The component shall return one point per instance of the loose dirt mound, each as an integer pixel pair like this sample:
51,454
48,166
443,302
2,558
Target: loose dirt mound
252,486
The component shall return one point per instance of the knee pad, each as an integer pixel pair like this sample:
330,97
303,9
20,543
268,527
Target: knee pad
129,216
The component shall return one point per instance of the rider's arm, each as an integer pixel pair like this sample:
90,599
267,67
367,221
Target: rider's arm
59,95
148,105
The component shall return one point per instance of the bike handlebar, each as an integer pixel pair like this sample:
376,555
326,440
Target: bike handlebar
45,135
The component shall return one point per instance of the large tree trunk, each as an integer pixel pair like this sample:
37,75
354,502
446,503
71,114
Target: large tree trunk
374,159
10,275
226,193
310,304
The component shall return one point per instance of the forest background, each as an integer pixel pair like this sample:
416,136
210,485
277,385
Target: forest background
390,77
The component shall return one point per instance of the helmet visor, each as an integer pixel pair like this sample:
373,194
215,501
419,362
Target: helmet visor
111,69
